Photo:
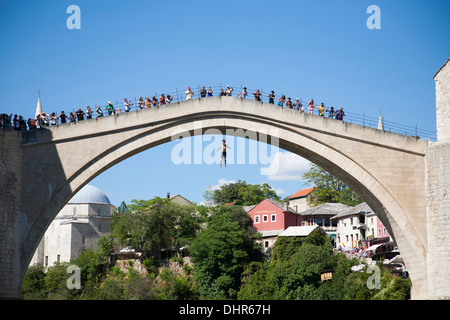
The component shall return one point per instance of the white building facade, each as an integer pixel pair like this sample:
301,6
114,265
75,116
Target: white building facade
78,226
357,225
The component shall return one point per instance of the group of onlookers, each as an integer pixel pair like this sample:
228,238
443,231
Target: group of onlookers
17,122
296,105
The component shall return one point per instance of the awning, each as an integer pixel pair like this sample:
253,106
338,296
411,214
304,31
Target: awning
374,247
396,260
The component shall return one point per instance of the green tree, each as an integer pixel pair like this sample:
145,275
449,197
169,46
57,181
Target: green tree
393,288
106,246
139,288
259,282
241,193
55,282
111,289
151,225
93,268
307,264
220,252
173,286
329,188
33,286
336,288
293,271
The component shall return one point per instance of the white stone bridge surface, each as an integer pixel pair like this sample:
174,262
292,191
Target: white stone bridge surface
41,170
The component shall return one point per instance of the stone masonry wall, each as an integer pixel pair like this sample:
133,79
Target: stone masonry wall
438,216
442,79
438,193
10,203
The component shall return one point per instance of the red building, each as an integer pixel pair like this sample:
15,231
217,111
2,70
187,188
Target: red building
274,215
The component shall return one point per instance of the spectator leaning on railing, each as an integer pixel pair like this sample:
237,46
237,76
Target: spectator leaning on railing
16,122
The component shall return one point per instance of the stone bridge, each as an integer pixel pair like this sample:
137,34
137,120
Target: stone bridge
398,176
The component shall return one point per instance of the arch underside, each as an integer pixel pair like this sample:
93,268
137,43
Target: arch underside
296,139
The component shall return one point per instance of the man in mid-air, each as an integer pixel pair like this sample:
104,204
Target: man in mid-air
224,153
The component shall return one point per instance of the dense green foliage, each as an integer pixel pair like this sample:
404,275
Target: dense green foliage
241,193
294,269
149,226
221,251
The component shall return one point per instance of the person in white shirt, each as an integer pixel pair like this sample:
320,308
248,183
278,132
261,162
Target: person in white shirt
228,91
189,93
127,105
243,93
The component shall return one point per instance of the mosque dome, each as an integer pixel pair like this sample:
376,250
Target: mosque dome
90,194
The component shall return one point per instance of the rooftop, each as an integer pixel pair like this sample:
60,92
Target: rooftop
179,199
326,209
302,193
302,231
89,194
360,208
248,208
282,206
270,233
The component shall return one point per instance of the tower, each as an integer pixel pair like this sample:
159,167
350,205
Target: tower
38,107
438,192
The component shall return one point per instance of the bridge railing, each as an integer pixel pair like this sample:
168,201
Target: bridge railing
361,119
352,117
373,122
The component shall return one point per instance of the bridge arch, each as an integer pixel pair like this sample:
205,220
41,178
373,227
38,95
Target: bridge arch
361,157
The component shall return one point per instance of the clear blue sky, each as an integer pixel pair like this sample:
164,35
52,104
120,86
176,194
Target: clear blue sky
303,48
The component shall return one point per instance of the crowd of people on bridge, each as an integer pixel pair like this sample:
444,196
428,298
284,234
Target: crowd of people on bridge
17,122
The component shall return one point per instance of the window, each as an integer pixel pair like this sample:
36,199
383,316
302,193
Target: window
265,218
46,261
273,217
58,257
256,219
266,244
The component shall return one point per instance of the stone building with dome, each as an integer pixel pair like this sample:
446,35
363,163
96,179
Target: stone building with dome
78,226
